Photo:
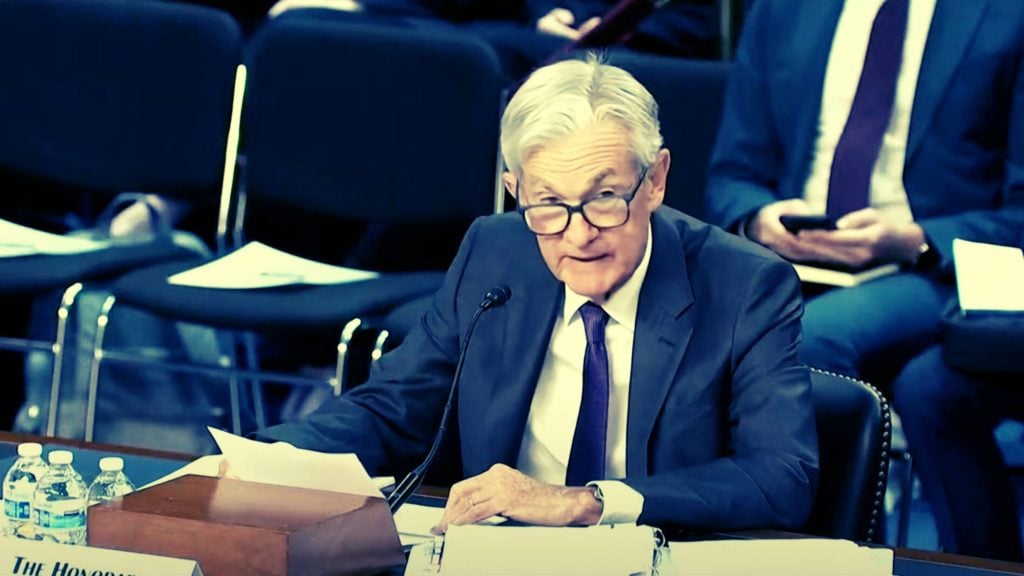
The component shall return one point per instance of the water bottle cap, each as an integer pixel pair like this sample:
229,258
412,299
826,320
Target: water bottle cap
30,449
61,457
111,464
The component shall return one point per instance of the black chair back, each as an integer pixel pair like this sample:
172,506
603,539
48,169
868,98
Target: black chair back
853,438
116,95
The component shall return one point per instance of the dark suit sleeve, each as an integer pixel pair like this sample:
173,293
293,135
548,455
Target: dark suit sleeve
390,421
1000,225
746,163
768,476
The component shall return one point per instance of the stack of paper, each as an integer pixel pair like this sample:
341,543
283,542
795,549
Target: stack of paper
810,556
257,265
17,240
989,278
615,550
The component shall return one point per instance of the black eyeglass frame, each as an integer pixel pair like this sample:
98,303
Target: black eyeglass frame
578,208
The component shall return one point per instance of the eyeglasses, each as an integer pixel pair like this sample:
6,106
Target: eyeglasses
607,210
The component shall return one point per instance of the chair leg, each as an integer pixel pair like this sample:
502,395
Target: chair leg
344,342
906,499
256,385
234,392
378,347
94,372
59,345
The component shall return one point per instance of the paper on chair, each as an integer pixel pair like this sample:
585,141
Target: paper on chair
989,278
285,465
18,240
783,557
257,265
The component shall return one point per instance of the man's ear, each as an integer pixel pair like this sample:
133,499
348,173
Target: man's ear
509,180
658,175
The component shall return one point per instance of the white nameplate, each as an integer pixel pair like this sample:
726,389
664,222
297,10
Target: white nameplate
20,557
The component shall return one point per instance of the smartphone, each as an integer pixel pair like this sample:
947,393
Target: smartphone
795,223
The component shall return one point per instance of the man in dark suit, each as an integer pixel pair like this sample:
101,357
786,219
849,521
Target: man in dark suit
948,160
691,410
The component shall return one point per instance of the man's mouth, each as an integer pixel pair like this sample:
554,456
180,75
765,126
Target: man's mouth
586,259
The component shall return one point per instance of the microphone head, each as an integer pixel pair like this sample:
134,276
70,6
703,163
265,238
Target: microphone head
497,296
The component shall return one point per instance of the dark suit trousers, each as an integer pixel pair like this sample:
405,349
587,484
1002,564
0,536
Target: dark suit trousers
871,331
949,417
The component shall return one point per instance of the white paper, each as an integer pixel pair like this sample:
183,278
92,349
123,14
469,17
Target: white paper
17,240
204,466
66,559
989,277
414,522
807,557
257,265
285,465
615,550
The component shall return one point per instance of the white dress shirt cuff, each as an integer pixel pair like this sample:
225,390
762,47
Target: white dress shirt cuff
621,504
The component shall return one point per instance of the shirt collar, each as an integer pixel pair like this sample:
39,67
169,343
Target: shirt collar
621,306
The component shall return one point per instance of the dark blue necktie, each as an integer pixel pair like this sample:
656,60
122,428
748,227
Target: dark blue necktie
586,460
849,184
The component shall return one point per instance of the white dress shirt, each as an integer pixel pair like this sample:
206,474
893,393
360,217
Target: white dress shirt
547,440
845,63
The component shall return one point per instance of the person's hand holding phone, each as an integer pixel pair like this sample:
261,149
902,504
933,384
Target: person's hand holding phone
767,228
867,236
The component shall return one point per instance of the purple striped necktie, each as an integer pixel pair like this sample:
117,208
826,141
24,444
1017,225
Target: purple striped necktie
586,460
849,184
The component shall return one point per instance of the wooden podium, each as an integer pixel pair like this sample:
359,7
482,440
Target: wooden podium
233,527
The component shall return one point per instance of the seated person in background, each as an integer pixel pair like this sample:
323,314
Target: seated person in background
923,146
528,33
644,367
949,417
687,28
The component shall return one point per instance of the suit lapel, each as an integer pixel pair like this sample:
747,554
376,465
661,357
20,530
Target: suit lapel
663,330
953,26
536,296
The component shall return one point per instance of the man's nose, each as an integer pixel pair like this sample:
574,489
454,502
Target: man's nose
579,232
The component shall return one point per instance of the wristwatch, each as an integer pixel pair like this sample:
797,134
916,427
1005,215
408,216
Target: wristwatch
927,258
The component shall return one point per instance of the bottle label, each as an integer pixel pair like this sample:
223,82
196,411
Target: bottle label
17,510
61,515
17,500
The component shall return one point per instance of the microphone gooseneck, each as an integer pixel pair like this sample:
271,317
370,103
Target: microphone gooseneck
495,298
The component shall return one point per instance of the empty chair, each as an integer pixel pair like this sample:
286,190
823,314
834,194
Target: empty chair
360,124
101,97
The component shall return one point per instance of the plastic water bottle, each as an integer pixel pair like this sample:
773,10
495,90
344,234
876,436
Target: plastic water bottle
19,487
59,503
111,483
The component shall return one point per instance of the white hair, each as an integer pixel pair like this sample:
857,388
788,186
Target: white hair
566,97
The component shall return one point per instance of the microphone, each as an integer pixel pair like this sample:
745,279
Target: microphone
495,298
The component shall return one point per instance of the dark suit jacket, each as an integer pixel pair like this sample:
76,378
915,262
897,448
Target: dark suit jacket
964,171
720,431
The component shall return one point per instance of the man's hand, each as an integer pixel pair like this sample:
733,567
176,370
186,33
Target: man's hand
860,237
866,236
559,22
766,228
508,492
